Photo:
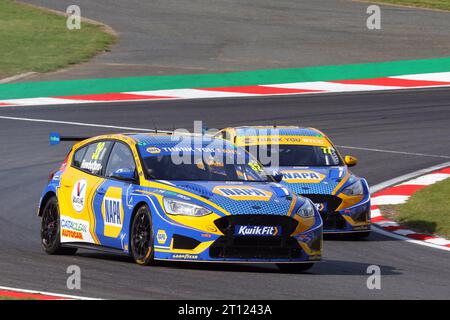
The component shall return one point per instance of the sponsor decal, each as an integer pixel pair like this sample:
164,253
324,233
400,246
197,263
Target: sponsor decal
112,212
79,195
72,234
279,139
92,165
161,236
74,226
243,193
257,230
185,256
302,176
75,230
153,150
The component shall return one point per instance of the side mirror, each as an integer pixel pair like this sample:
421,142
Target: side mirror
124,174
278,177
350,161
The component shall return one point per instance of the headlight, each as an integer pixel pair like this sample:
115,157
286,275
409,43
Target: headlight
354,189
306,210
178,207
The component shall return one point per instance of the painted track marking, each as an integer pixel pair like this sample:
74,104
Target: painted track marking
396,152
43,293
95,125
397,181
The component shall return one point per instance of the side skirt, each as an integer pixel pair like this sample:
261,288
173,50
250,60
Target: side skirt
94,247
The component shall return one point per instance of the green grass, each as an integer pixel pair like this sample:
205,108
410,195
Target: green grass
37,40
428,210
432,4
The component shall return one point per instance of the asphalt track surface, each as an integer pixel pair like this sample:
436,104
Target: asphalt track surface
198,36
416,122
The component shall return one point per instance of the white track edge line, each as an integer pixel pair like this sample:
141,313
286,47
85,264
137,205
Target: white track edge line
80,124
406,239
408,176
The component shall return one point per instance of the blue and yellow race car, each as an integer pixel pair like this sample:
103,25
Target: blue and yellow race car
311,166
176,197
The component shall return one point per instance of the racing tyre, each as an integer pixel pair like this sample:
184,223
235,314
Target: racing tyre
294,267
141,239
50,227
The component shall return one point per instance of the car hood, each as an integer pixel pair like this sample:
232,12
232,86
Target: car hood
313,180
242,197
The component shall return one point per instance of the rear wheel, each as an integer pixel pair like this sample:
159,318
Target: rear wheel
141,240
294,267
50,230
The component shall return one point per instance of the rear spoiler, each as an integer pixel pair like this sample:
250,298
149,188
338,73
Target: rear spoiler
56,138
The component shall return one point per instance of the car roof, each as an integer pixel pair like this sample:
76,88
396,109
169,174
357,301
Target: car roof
170,140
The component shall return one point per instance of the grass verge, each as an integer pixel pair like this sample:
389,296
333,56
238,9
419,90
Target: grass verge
427,211
430,4
33,39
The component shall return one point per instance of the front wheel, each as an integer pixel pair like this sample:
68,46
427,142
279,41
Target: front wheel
50,227
141,240
294,267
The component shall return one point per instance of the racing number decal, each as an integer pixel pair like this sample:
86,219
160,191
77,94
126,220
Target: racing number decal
98,150
255,166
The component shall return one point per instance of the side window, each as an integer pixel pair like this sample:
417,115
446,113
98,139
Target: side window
78,157
95,156
121,158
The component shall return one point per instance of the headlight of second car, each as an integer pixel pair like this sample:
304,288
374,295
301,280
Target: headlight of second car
306,210
355,189
177,207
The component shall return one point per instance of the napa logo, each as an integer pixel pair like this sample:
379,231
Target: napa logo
271,231
243,193
161,236
153,150
112,212
302,176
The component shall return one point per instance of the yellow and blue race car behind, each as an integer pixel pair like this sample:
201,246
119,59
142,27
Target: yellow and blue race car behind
167,197
311,166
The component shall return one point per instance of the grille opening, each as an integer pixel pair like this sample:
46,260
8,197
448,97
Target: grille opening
227,224
282,246
183,242
363,215
332,221
332,202
255,248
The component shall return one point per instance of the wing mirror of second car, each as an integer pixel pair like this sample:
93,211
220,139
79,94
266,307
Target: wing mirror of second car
278,177
124,174
350,161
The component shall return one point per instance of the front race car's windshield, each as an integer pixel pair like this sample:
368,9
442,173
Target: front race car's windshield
300,156
204,168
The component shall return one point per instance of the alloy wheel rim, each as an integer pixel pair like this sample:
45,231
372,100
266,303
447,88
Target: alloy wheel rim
141,236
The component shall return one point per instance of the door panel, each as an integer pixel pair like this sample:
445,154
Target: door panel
111,208
75,206
112,213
